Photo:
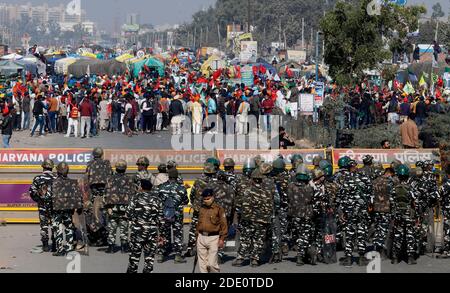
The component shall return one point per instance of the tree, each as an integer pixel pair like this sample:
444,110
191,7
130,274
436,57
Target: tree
354,39
437,11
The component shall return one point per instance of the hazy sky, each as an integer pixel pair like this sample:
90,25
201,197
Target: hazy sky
158,11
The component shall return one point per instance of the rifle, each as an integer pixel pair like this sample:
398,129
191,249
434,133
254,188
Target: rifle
83,231
195,263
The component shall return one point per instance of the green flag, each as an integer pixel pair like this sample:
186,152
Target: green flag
435,78
447,69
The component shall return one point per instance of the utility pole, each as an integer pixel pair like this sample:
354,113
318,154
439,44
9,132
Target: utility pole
317,55
218,34
303,33
248,15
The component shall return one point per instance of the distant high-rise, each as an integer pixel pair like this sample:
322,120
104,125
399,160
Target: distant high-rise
133,19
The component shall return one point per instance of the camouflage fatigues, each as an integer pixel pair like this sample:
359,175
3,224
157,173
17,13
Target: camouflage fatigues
256,207
116,200
177,194
404,197
381,202
145,214
445,203
353,206
282,183
302,208
40,183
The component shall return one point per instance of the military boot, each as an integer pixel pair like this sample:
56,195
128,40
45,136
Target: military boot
124,248
285,249
59,253
412,260
160,258
110,249
363,261
238,262
347,261
53,245
189,253
300,261
275,258
255,263
395,260
179,259
45,246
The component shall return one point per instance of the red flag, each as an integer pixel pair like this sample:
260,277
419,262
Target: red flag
217,74
255,70
289,72
238,71
262,69
440,82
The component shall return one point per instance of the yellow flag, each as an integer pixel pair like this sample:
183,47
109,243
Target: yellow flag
422,81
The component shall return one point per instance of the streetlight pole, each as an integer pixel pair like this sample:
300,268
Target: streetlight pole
317,55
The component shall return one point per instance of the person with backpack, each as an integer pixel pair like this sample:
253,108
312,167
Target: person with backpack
403,211
174,197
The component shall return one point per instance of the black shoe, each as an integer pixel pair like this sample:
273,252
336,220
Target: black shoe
238,262
110,249
363,261
59,253
300,262
189,253
53,246
285,249
179,259
347,262
45,246
412,260
275,258
124,248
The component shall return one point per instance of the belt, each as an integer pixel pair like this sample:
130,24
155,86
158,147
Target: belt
210,234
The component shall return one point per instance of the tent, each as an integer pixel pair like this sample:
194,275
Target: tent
90,55
124,57
13,56
10,67
214,62
62,65
32,60
151,63
29,66
96,67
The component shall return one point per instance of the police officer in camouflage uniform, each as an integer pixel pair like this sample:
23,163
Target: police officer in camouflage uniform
243,182
161,177
353,211
274,232
143,174
403,209
174,197
325,196
145,213
97,171
296,160
381,204
281,177
368,169
256,210
224,196
444,193
208,179
316,162
38,193
229,172
62,219
302,208
117,215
